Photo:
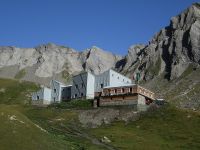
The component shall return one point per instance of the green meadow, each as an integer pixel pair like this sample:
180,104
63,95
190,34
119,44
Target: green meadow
57,127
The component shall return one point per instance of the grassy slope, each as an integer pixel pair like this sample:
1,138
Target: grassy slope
186,92
23,134
15,92
20,133
182,92
20,74
62,123
16,130
167,128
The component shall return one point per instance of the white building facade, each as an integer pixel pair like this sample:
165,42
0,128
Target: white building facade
110,78
59,91
86,84
83,86
55,94
42,97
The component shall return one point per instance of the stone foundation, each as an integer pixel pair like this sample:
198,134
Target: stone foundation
40,102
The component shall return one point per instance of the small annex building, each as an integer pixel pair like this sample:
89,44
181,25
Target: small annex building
42,97
55,94
60,91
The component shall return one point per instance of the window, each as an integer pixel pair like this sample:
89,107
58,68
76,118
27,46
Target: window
63,90
82,85
81,94
123,90
38,97
76,85
123,80
75,96
115,90
54,90
117,77
101,85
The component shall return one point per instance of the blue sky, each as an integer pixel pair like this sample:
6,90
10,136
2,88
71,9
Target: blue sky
112,25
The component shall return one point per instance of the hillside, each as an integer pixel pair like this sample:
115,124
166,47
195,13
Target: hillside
16,92
182,92
60,127
20,133
25,127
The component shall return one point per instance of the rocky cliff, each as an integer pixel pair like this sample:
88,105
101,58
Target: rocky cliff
169,54
170,63
171,51
45,62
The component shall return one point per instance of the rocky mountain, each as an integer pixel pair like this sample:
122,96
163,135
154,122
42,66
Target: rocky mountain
97,61
170,63
170,52
45,62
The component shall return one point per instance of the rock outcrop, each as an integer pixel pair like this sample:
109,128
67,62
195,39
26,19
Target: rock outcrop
170,51
97,61
97,117
45,62
169,54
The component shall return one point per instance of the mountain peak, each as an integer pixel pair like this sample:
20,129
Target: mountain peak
96,49
187,17
197,4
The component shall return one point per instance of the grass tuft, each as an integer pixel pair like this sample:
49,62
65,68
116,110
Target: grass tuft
20,74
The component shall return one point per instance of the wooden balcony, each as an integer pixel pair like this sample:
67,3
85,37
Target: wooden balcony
128,90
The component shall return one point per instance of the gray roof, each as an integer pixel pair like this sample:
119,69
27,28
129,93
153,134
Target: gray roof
120,85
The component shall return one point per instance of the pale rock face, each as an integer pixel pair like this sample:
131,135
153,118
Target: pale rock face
98,61
53,63
15,56
47,61
171,50
53,60
133,55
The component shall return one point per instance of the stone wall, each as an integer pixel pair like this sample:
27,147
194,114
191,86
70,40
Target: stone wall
40,102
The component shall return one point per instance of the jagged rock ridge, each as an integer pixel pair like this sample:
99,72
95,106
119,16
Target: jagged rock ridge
170,51
45,62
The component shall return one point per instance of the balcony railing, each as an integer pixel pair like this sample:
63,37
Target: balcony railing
128,90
